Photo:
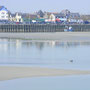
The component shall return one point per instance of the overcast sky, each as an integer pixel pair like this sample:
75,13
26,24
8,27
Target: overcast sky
82,6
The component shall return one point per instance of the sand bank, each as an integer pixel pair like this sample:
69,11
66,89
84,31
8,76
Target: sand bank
8,73
76,36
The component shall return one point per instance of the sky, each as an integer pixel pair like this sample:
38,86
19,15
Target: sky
29,6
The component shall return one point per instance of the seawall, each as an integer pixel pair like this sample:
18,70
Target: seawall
44,28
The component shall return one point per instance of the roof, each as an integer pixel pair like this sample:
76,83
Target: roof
74,14
13,15
3,8
30,16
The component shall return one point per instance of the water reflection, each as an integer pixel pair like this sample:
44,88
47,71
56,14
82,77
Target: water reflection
5,44
40,44
55,53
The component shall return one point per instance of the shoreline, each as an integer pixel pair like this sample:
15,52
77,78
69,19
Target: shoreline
9,73
12,72
57,36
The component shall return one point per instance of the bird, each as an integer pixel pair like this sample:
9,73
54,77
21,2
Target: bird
71,61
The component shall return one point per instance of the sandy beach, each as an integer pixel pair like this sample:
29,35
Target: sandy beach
8,73
63,36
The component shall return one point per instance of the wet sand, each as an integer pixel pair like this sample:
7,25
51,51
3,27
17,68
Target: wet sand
64,36
8,73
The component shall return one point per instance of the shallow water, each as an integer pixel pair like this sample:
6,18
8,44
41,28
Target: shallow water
54,54
48,83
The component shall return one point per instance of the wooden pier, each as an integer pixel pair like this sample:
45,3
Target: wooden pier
43,28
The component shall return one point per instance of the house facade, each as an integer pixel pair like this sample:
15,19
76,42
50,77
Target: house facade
3,13
16,17
58,17
74,15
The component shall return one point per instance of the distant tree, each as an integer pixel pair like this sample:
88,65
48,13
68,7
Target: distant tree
85,17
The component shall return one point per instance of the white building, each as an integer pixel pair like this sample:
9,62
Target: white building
16,17
3,13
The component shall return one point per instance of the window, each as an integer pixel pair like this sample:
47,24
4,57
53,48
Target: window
3,12
6,16
7,13
2,16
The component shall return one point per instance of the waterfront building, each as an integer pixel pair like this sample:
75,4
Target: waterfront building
16,17
74,16
33,16
28,18
40,14
47,15
66,13
60,16
3,13
12,17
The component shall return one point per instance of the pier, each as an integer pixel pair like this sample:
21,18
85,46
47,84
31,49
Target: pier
43,27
